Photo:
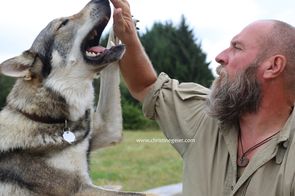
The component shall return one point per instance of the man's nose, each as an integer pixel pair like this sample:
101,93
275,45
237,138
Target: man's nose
221,58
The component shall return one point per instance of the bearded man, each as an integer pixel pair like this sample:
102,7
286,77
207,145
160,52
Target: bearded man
242,128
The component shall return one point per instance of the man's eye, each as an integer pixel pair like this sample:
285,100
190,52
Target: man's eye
236,46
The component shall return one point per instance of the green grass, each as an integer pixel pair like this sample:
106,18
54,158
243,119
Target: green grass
137,166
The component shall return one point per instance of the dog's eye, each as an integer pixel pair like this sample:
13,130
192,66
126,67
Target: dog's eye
64,23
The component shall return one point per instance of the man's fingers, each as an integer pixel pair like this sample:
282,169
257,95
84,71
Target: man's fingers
118,17
118,11
117,3
123,25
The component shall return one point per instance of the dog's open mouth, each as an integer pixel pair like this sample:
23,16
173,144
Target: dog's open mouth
90,46
96,54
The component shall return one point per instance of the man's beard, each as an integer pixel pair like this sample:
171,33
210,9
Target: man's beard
230,99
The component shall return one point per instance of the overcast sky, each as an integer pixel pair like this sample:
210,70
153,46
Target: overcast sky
214,22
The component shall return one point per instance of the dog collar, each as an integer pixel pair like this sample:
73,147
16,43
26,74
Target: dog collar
43,119
68,135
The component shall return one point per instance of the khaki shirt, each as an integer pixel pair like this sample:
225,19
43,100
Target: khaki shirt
210,161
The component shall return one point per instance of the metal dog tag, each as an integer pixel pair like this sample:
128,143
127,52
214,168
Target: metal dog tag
69,136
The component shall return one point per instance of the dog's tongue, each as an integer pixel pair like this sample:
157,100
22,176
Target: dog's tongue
96,49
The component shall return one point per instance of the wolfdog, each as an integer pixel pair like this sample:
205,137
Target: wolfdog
49,126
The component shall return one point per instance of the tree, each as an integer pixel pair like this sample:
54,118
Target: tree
6,84
175,50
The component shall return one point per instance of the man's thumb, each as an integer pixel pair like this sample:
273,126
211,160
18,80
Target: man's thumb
118,16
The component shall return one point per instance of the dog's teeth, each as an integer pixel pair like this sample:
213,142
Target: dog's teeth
92,54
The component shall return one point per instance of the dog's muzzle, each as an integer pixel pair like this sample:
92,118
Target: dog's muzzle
91,49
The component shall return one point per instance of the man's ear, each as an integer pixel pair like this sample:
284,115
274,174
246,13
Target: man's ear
19,66
274,66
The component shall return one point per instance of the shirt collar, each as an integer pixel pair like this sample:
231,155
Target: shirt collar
287,130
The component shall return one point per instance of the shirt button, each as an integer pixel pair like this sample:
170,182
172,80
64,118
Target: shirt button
232,187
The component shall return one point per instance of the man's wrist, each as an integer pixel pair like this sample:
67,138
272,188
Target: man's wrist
133,42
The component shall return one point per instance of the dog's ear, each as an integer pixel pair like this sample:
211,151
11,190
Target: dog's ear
19,66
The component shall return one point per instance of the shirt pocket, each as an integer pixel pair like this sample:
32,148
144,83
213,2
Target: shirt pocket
191,109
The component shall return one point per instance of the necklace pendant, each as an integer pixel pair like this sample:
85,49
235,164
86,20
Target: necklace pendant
243,161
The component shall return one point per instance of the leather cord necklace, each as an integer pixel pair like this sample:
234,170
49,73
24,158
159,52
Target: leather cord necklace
244,160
